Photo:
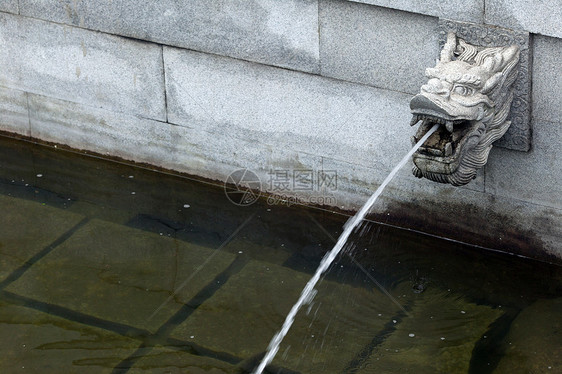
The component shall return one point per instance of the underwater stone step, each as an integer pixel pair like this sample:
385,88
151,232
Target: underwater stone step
531,345
121,274
281,33
162,360
438,335
82,66
36,342
242,317
14,115
20,241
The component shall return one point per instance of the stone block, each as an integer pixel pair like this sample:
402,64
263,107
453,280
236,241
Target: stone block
281,109
438,336
14,115
10,6
533,177
533,342
82,66
271,32
547,78
121,274
20,240
242,317
381,47
540,17
174,361
42,343
472,11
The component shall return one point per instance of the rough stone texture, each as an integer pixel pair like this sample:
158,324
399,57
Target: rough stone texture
13,111
10,6
472,10
20,241
438,336
163,360
537,173
280,33
541,17
36,342
121,274
371,45
245,313
281,109
82,66
547,78
531,346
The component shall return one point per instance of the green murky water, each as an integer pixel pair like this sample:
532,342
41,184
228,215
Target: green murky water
107,268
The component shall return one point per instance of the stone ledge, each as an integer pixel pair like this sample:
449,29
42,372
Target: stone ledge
279,33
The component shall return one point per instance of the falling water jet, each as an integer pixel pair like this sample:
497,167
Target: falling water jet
308,292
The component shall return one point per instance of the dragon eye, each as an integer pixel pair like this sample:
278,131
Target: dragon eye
462,90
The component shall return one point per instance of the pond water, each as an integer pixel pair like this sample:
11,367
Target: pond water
110,268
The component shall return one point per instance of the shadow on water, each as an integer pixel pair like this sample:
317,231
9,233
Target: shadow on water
168,275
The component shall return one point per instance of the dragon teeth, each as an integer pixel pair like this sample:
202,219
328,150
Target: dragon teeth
415,119
449,126
448,149
413,140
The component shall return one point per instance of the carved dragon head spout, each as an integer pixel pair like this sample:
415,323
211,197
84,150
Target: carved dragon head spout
469,93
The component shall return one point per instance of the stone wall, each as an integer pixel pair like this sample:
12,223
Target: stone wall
208,87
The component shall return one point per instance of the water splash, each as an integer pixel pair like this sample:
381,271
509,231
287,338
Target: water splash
308,291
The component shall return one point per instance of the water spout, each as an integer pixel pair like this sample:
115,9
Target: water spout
469,94
307,293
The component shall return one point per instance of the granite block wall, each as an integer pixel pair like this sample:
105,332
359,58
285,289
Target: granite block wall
210,87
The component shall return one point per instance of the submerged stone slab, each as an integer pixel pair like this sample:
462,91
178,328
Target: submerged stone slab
462,10
438,336
33,341
82,66
242,317
533,342
121,274
27,228
281,33
374,46
540,17
14,115
162,360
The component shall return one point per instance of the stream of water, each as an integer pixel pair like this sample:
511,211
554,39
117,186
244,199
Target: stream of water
307,294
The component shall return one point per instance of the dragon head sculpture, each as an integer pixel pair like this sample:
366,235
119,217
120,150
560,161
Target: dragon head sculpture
469,93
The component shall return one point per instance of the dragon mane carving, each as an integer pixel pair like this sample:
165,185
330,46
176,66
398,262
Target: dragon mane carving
469,93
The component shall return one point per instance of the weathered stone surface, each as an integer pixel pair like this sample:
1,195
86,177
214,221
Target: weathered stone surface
82,66
20,241
437,337
36,342
282,109
13,111
531,345
176,361
121,274
542,17
371,45
242,317
547,78
10,6
537,173
267,31
472,10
